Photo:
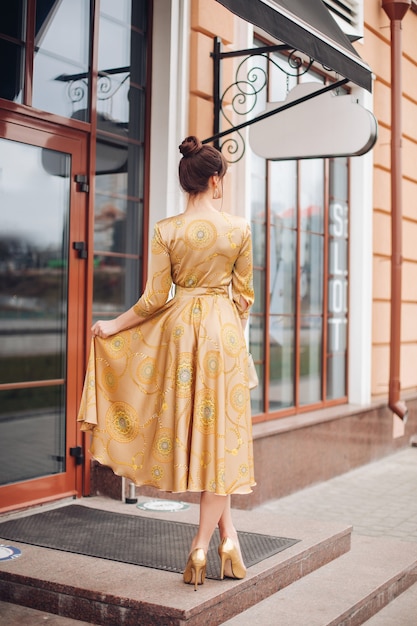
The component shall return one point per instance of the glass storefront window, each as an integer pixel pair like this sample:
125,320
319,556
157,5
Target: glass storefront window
62,53
113,285
33,262
120,162
12,49
11,84
300,231
32,431
33,309
12,19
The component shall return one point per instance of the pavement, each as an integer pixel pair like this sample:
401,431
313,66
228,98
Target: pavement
378,500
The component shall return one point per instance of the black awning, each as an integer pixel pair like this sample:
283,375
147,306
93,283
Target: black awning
307,26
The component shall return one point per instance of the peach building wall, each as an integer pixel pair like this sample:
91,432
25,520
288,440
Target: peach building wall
209,19
376,51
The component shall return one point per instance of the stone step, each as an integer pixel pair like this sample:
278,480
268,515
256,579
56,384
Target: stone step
99,591
17,615
402,611
347,591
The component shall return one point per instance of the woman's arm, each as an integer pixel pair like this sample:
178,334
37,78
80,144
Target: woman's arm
106,328
155,294
242,278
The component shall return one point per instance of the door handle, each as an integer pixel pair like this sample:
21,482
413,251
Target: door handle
82,182
77,453
81,248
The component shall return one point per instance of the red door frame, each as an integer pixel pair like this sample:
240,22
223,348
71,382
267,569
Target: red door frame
74,142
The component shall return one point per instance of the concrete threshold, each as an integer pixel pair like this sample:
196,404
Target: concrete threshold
98,591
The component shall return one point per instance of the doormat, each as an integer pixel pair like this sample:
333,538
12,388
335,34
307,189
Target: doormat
135,539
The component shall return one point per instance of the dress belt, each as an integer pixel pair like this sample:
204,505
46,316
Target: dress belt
193,292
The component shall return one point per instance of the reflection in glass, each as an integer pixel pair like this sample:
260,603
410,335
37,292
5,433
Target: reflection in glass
61,64
33,264
283,249
33,304
116,284
259,288
122,67
32,433
116,220
258,243
338,170
258,178
312,195
11,18
257,343
281,374
311,273
257,349
311,337
120,10
113,156
283,192
12,62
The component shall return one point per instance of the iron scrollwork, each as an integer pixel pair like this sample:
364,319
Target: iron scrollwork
109,82
243,95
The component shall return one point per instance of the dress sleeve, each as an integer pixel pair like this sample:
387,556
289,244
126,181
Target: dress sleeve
242,277
159,278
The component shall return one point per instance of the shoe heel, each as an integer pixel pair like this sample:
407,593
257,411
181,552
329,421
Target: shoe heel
223,559
195,570
200,575
228,552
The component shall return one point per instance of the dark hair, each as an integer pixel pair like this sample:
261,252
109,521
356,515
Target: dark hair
199,162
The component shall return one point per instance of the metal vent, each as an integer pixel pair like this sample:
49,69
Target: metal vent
348,15
345,10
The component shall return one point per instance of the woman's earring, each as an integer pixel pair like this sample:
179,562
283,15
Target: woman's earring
215,193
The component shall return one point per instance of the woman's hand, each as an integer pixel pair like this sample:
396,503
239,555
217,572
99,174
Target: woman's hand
104,328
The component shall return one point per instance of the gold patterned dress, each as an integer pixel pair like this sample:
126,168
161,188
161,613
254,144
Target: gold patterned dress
167,401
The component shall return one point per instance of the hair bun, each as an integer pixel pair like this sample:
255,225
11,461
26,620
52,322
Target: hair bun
190,146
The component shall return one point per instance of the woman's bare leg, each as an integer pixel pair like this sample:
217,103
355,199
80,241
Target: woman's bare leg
216,511
227,529
212,510
226,526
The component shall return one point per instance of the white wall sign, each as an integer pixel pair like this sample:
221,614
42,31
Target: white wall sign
324,126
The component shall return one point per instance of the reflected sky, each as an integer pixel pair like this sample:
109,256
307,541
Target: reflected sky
31,199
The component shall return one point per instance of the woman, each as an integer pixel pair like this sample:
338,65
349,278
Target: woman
166,393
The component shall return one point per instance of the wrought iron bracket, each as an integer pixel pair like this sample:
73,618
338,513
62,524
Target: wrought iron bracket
245,90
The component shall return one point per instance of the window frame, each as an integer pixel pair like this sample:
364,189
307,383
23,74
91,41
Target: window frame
261,397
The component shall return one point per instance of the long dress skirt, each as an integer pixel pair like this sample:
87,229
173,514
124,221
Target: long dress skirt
167,401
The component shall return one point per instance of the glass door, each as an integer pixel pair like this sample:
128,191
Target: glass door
42,312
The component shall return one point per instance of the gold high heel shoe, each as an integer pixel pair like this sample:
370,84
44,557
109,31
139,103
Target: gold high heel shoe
229,552
195,570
